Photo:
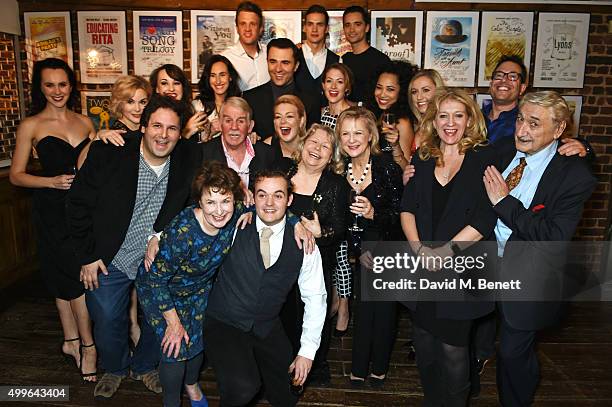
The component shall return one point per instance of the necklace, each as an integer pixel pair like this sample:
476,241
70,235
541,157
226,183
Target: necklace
363,175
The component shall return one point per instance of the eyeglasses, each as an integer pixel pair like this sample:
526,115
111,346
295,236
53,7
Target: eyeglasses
512,76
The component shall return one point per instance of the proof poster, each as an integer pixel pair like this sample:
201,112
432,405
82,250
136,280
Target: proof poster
158,40
398,34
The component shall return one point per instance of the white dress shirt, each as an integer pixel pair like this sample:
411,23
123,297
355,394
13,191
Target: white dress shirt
314,62
312,289
252,71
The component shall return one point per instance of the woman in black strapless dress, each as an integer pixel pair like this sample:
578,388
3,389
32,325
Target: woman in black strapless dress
58,134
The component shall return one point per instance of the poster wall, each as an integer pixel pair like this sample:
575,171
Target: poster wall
561,50
48,36
212,32
398,34
501,34
282,24
158,40
450,46
102,46
95,106
336,41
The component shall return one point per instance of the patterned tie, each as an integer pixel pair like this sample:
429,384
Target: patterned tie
264,245
514,178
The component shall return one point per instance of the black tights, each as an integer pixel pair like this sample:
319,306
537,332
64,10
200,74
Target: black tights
171,376
444,370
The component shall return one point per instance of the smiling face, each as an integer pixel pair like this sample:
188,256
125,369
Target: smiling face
219,78
505,92
355,28
423,90
271,199
387,90
315,28
160,136
451,121
535,128
235,126
317,151
355,137
55,86
334,86
169,87
217,209
281,65
249,27
132,109
287,122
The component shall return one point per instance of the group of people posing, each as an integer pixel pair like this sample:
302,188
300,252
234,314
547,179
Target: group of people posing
229,226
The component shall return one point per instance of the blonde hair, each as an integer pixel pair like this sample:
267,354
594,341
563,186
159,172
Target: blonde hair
360,113
122,91
435,77
294,101
238,103
556,105
336,164
475,132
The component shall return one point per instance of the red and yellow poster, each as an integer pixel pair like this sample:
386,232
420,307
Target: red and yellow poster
48,36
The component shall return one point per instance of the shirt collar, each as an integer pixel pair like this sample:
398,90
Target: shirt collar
239,49
504,115
307,50
250,150
535,161
276,229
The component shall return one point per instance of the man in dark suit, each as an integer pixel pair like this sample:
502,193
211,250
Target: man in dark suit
282,64
538,198
120,196
313,56
234,148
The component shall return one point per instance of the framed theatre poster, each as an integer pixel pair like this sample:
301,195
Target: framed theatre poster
574,103
450,46
282,24
102,46
503,33
158,40
48,36
561,50
95,106
336,41
212,32
398,34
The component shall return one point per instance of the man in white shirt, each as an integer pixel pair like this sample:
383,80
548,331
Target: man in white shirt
314,57
248,56
246,341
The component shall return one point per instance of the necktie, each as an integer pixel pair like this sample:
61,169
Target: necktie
514,178
264,245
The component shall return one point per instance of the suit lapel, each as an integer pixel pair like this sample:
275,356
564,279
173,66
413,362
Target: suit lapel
549,179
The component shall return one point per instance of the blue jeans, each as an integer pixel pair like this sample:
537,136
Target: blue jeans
108,306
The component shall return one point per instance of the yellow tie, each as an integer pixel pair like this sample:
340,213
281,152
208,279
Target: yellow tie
264,245
514,178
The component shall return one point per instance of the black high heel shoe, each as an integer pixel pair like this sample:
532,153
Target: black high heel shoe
87,375
70,358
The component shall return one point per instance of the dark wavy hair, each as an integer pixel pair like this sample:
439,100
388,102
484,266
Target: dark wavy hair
404,72
39,101
207,95
217,177
175,73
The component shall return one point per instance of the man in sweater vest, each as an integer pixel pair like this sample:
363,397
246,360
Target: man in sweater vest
245,338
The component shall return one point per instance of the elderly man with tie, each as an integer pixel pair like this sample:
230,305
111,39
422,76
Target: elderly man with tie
538,197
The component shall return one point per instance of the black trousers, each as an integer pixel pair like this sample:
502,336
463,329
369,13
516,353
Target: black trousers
485,330
518,370
242,361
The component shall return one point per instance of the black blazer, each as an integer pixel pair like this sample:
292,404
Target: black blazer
261,100
101,200
467,204
305,80
552,217
265,156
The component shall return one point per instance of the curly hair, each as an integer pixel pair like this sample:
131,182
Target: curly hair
475,134
216,176
404,72
39,101
207,95
122,91
360,113
337,163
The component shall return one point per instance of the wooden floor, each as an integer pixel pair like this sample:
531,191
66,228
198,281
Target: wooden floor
576,363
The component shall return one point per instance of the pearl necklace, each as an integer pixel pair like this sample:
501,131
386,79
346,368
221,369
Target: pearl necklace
363,176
